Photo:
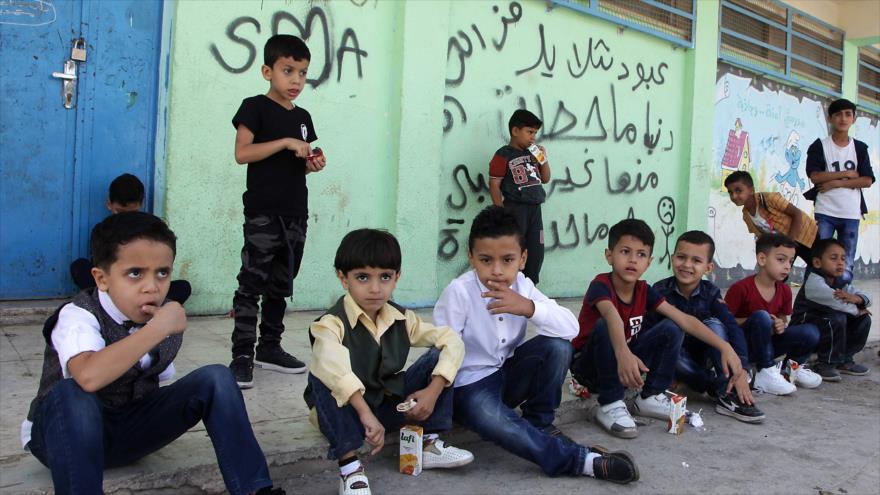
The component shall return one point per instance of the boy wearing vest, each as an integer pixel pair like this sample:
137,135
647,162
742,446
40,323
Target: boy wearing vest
490,306
768,212
840,169
99,403
359,351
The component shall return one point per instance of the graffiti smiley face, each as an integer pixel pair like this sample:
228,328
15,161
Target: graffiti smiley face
666,210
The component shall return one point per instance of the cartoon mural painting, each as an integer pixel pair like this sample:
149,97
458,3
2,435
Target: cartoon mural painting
790,182
666,213
736,153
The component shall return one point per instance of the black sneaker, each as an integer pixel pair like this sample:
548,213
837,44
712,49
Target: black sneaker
243,370
274,358
271,491
730,405
616,467
827,372
852,368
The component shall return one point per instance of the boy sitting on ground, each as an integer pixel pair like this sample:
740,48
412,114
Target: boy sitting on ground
99,403
490,307
613,346
761,304
840,312
699,365
359,351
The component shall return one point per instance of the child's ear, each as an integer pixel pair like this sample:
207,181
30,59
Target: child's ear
710,266
101,278
267,72
396,277
340,275
608,255
761,258
816,262
523,258
107,204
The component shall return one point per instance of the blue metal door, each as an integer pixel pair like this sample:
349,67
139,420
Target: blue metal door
56,162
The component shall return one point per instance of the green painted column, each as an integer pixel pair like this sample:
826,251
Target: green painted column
424,38
700,74
850,84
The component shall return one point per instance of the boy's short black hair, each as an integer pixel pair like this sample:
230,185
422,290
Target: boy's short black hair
739,176
822,245
634,227
772,240
523,118
285,45
122,228
126,189
840,105
494,222
367,247
699,238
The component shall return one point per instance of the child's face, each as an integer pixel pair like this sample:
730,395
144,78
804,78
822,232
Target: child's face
115,207
842,120
497,259
832,262
287,78
370,287
777,262
523,137
690,262
139,277
740,193
629,258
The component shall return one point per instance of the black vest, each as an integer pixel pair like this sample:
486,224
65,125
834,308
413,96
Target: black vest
132,385
378,365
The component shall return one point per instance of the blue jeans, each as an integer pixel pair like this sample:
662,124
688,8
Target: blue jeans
343,427
699,364
797,342
847,232
532,379
658,347
76,436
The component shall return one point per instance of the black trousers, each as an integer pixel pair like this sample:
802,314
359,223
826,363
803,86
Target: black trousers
532,226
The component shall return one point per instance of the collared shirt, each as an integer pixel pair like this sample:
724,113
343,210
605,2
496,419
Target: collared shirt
331,362
78,331
489,339
705,302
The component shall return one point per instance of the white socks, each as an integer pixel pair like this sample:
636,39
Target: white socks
430,437
588,463
349,468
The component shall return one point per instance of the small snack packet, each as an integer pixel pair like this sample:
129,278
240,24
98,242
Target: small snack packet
411,449
406,405
538,153
677,413
790,370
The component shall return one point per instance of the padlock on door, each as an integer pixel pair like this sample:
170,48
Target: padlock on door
78,52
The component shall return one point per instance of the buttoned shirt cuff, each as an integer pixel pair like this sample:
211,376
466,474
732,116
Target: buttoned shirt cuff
446,370
347,385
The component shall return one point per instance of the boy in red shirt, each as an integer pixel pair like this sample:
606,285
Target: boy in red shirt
761,304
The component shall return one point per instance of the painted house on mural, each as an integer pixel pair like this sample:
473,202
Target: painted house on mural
645,105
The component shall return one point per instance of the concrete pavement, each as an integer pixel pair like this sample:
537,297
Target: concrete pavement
826,439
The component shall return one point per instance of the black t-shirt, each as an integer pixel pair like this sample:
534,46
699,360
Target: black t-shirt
276,185
520,175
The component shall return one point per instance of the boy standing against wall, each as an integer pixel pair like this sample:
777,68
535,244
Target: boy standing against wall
272,137
840,168
516,174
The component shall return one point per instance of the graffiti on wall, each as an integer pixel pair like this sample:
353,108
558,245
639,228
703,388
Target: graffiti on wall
765,129
609,128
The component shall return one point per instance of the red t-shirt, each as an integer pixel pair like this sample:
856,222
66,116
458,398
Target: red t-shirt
743,299
645,298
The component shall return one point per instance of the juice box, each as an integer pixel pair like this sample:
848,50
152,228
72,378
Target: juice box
411,449
538,153
677,413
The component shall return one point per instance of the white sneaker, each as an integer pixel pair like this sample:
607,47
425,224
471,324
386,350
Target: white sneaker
615,418
770,380
438,455
355,483
804,377
656,406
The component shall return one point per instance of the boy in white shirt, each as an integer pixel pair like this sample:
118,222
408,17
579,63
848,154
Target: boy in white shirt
840,168
490,307
99,403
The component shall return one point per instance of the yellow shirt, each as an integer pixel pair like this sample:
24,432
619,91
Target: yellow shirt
330,359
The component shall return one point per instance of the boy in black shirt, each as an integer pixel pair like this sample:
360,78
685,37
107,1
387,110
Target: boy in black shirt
516,174
272,137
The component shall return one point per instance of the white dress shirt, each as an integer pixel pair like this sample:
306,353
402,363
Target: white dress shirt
489,339
78,331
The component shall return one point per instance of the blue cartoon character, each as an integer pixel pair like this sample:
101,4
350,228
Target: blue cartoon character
793,158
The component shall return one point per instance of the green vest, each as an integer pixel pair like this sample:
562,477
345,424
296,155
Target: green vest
378,365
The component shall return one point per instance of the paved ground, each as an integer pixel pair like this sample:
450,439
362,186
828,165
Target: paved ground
821,440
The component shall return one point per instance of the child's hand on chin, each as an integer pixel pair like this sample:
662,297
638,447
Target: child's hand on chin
170,317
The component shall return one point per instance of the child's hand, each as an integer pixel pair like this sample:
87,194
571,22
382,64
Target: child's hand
629,370
741,386
778,324
731,364
300,148
170,317
864,311
425,402
316,163
850,298
831,184
508,301
851,174
374,432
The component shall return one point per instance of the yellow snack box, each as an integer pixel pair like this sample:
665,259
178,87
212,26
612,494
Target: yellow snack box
411,449
677,414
